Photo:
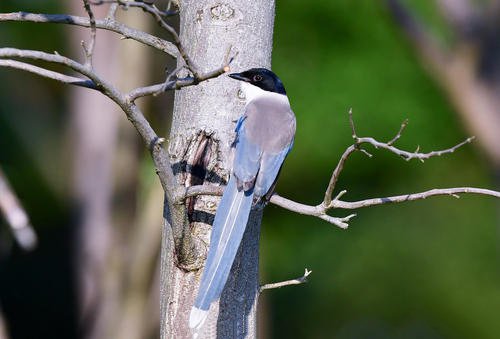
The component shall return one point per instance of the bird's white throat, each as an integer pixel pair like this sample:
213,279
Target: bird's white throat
252,92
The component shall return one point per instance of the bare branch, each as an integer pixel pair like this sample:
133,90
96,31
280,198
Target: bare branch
413,155
16,216
108,24
453,192
89,49
298,281
48,74
320,210
358,141
315,211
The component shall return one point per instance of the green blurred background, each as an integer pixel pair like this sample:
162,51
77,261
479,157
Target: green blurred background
426,269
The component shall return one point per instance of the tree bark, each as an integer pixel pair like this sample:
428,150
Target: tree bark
199,148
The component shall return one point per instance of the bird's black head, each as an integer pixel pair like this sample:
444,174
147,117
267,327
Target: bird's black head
262,78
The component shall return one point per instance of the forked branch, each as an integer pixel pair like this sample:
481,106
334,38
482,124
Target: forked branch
389,146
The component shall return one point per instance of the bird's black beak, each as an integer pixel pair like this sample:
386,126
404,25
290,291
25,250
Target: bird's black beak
239,76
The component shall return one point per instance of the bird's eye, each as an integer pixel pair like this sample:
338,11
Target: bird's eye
257,77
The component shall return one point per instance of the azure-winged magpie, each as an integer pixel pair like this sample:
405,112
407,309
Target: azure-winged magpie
264,136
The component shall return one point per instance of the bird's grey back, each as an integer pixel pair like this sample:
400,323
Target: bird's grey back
270,123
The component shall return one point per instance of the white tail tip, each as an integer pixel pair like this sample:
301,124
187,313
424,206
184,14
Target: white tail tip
197,317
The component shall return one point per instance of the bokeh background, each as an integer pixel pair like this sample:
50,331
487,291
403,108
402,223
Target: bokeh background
425,269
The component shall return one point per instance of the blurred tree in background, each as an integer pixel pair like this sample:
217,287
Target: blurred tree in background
426,269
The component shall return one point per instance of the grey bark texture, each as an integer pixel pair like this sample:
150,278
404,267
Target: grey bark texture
199,148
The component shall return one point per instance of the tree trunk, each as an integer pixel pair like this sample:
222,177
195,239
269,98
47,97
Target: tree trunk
199,147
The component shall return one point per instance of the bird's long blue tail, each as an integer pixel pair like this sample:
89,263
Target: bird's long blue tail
227,230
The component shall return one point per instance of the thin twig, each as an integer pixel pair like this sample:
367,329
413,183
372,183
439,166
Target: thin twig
298,281
16,216
453,192
400,132
413,155
89,49
353,130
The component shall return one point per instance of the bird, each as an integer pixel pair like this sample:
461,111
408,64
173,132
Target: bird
264,135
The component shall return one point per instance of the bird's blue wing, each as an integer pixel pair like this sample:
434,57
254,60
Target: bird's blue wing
247,157
269,168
